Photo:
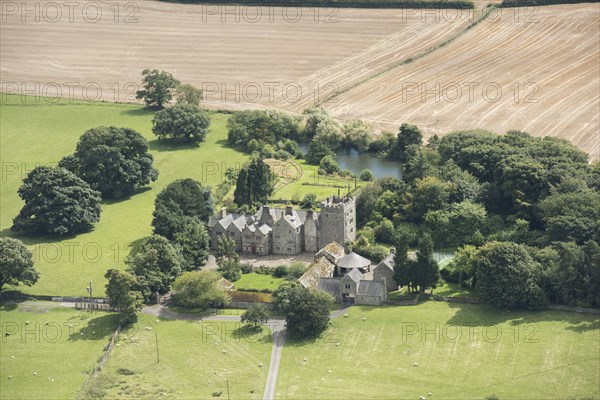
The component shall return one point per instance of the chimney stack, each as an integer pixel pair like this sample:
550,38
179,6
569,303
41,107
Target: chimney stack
392,250
223,212
289,210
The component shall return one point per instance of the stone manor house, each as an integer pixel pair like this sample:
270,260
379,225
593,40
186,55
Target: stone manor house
285,230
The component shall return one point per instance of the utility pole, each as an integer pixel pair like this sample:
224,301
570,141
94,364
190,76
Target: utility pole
157,353
89,290
227,389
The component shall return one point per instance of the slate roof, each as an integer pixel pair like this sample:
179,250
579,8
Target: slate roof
225,284
370,288
355,275
333,251
330,285
353,260
278,213
322,268
387,262
264,228
240,221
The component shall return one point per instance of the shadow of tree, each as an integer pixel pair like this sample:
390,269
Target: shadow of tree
483,314
162,145
99,328
31,239
138,112
110,201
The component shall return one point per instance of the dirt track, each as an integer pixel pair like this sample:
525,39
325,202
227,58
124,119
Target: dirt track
282,59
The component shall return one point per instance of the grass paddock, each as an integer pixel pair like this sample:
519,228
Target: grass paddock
454,351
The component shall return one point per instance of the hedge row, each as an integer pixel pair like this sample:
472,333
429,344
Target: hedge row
251,297
460,4
535,3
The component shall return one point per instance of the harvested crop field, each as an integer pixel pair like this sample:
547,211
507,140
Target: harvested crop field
243,57
537,73
248,57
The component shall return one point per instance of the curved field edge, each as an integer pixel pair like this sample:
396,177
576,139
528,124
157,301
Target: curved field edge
435,4
536,3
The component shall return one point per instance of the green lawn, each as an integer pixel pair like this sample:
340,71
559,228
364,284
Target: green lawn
41,133
297,189
196,359
450,289
258,282
516,355
48,341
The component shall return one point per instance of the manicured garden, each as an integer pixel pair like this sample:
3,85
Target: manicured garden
255,281
453,351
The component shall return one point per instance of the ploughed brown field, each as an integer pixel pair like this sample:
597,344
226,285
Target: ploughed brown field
529,69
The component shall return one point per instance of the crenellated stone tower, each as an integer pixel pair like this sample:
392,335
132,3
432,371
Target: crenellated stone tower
337,221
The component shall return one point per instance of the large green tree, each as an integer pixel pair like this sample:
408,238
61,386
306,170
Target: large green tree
184,121
257,314
572,216
226,248
200,289
16,264
425,272
456,224
179,201
155,265
120,289
188,94
407,135
358,134
230,268
306,312
159,87
429,194
114,161
254,183
506,274
317,150
56,202
366,202
260,127
194,241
